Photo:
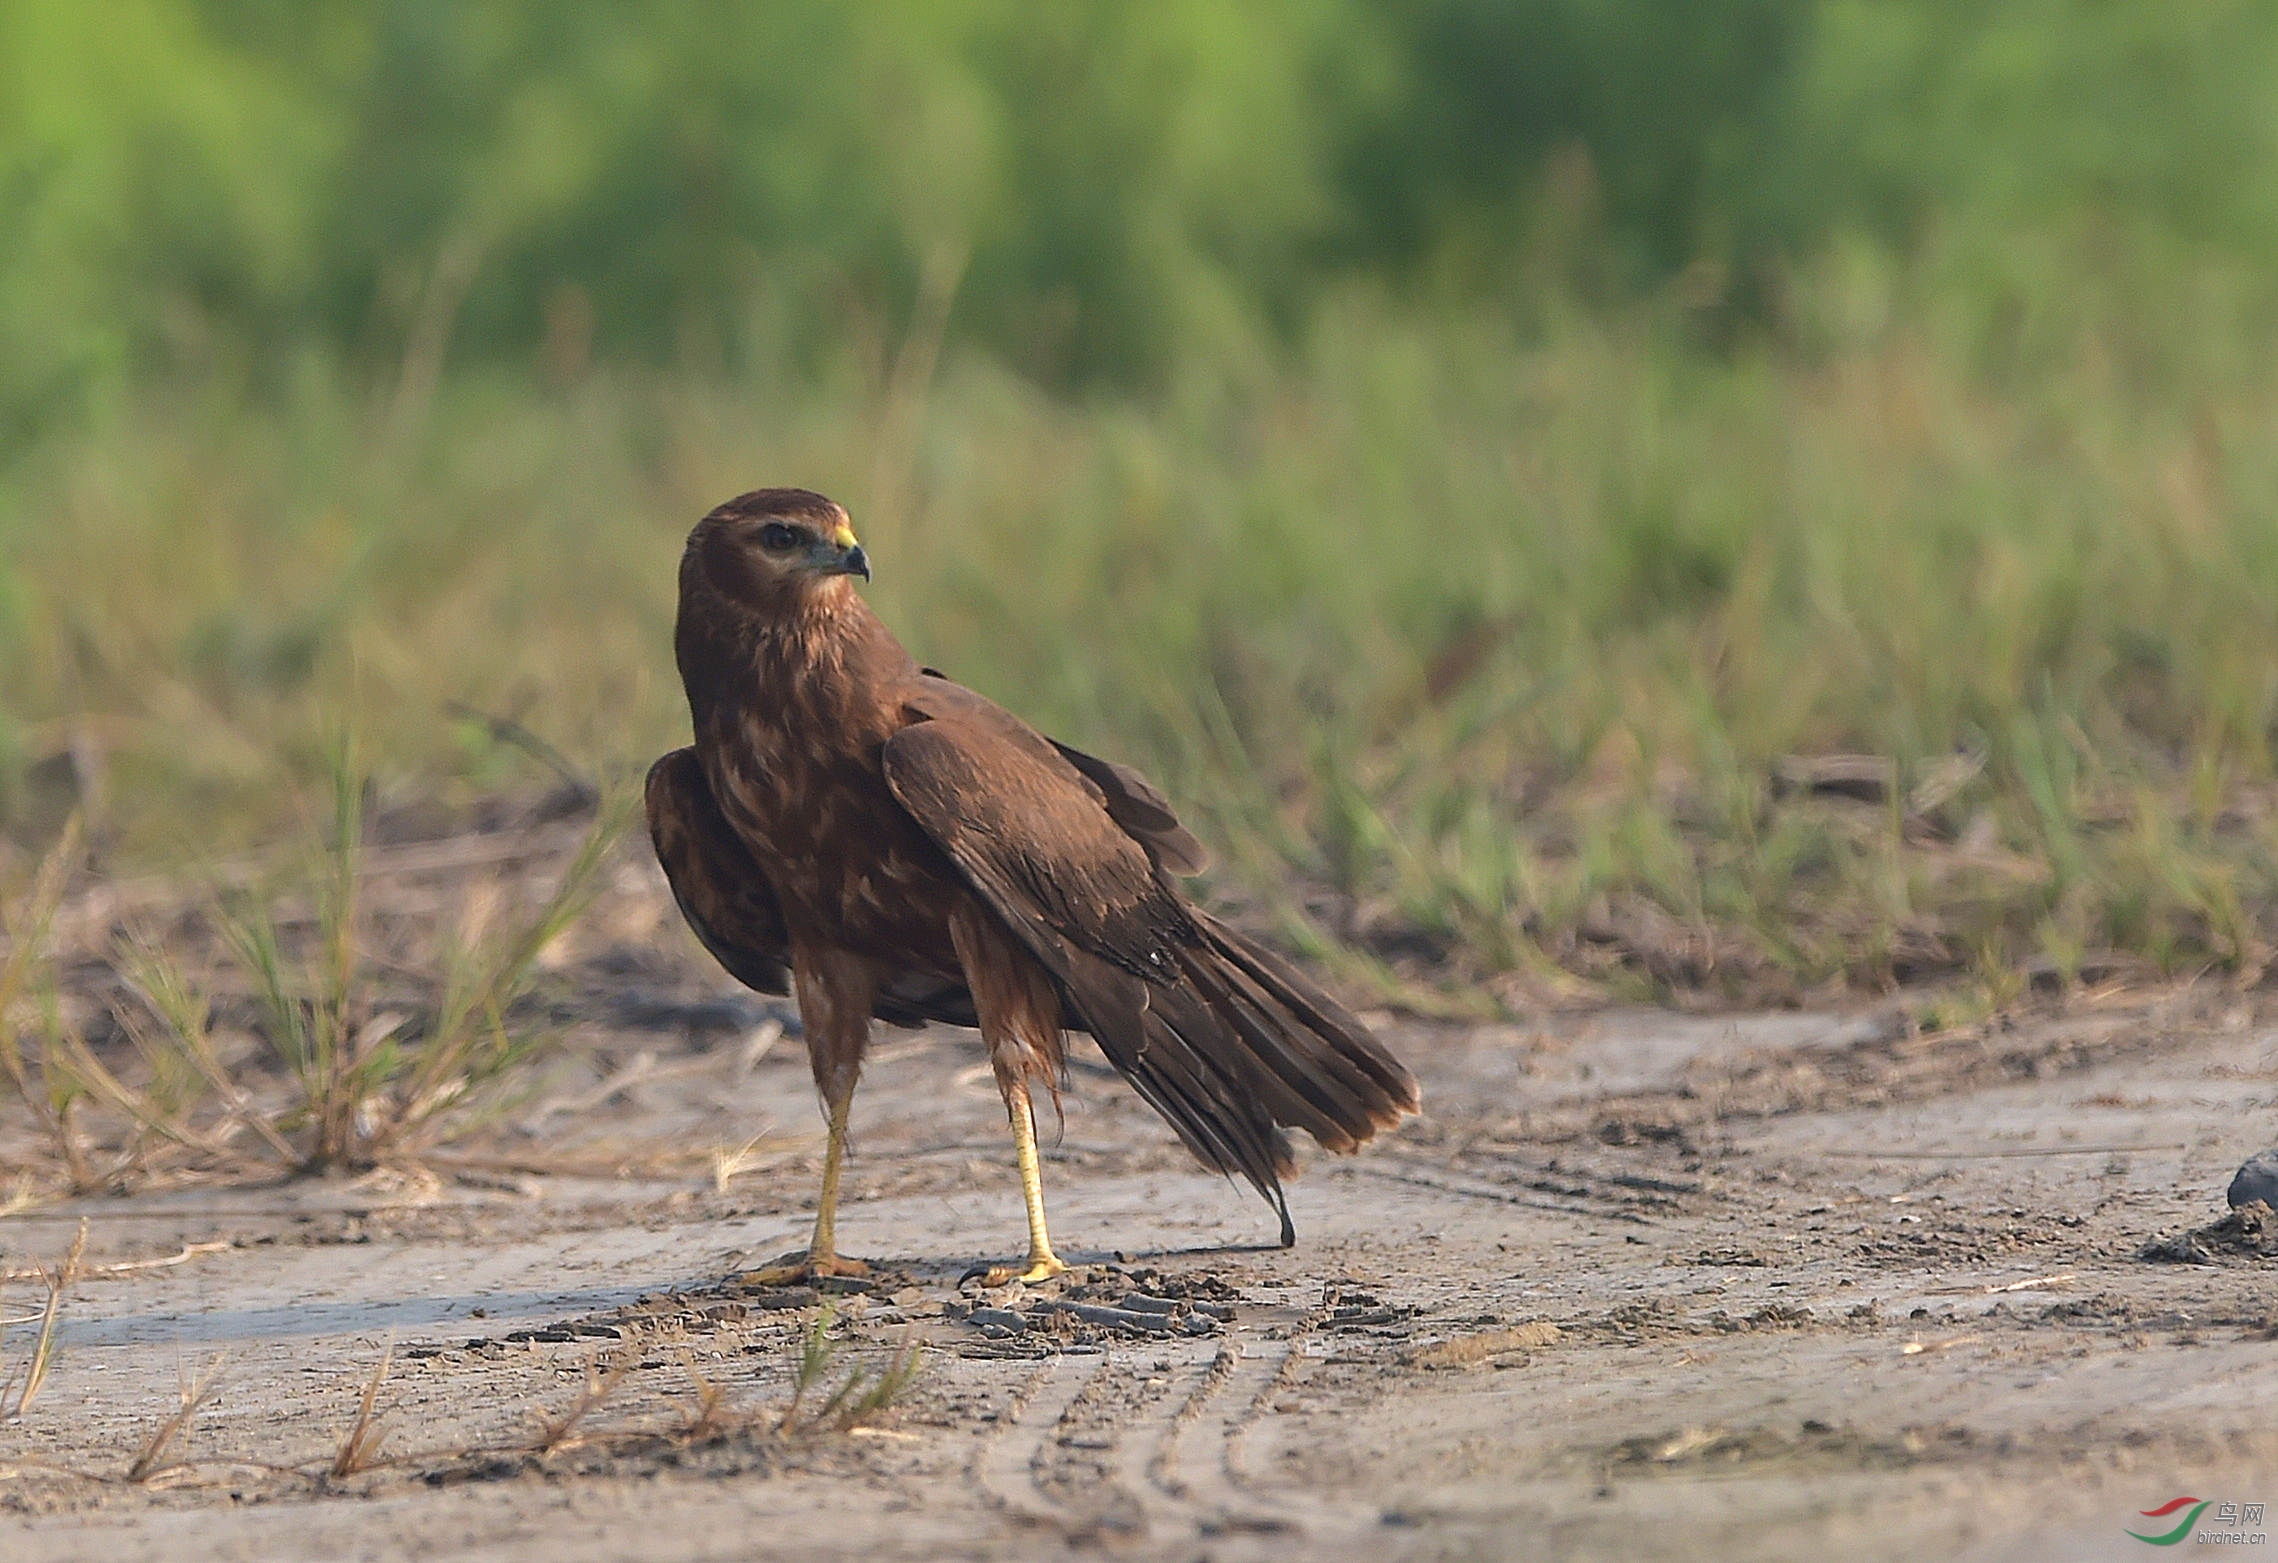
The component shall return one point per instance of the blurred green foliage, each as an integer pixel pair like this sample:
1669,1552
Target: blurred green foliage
1465,446
702,182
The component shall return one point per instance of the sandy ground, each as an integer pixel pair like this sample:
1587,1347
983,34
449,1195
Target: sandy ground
1638,1285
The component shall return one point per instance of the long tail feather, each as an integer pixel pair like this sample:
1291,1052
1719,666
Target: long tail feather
1174,1052
1236,1050
1324,1035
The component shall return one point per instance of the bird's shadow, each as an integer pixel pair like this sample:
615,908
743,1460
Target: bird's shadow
1128,1255
920,1267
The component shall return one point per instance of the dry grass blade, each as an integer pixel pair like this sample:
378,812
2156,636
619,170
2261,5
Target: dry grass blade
470,1042
1916,1348
1995,1288
183,1256
43,1349
27,946
361,1446
194,1394
728,1164
158,980
600,1383
706,1412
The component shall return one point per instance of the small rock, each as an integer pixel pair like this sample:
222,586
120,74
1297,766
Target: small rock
2183,1248
2258,1179
1111,1318
998,1318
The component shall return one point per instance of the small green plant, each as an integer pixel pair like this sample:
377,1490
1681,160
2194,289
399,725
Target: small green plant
33,1037
365,1092
363,1083
816,1351
868,1395
861,1397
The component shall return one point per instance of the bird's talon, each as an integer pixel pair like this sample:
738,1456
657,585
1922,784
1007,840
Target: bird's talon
1039,1269
814,1267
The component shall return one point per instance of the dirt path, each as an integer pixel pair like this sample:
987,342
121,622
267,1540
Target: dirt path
1640,1285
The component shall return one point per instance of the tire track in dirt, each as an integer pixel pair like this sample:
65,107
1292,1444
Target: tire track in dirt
1197,1475
1146,1452
1117,1451
1006,1467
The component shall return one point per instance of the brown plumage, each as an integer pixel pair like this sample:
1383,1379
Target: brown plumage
860,831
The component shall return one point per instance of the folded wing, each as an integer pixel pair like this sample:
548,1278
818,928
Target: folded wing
1227,1042
732,909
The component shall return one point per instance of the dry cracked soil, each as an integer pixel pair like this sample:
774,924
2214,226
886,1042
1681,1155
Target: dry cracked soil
1638,1284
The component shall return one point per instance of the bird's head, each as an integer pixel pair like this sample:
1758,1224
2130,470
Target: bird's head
774,550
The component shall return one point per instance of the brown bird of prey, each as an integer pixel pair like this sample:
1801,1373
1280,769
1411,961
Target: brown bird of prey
860,831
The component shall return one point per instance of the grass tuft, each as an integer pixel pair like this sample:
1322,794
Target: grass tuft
868,1395
707,1416
816,1353
861,1397
603,1378
360,1446
375,1075
195,1392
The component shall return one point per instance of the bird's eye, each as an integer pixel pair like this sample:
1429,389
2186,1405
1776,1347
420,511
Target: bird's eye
777,538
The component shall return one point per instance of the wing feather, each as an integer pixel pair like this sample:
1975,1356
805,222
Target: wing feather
1144,813
1040,849
732,910
1131,800
1225,1039
721,891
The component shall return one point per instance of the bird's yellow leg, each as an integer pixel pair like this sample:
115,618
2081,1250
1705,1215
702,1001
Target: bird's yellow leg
1042,1262
822,1252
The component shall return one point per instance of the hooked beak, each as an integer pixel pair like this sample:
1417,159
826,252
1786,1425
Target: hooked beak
840,554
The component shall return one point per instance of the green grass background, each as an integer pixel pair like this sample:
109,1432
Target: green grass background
1463,449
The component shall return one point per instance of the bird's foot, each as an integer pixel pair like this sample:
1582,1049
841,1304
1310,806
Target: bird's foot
1041,1267
798,1270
